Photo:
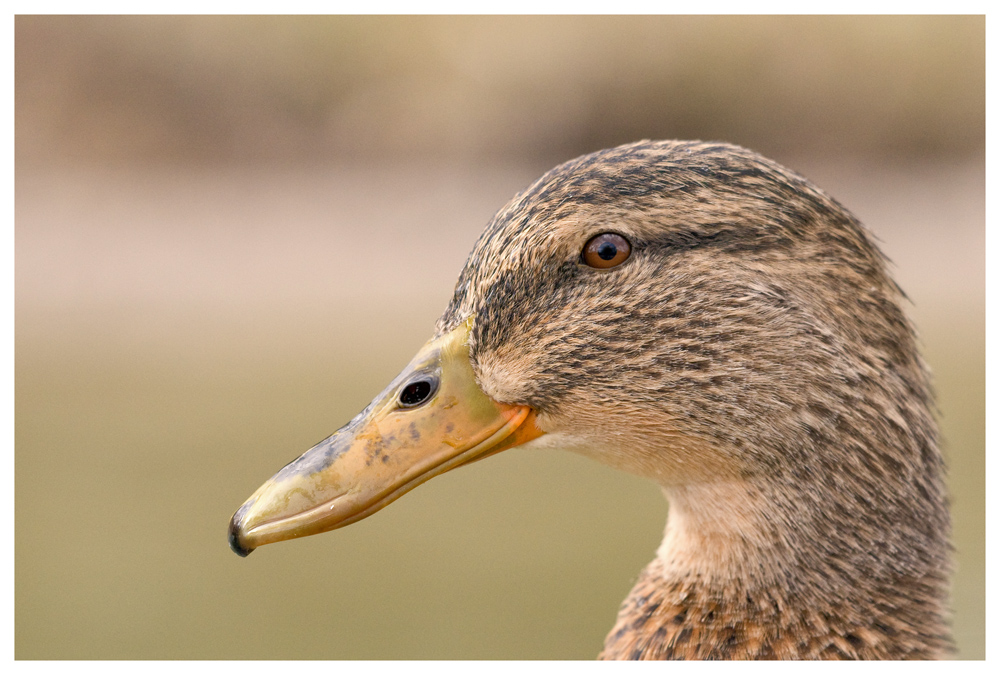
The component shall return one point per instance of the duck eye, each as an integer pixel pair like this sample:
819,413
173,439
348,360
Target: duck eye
417,393
606,250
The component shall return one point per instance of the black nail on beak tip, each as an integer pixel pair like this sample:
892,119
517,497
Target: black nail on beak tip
234,540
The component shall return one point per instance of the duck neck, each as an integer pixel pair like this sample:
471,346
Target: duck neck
744,573
721,534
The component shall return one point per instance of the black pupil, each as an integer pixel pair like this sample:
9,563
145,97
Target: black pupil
415,393
607,250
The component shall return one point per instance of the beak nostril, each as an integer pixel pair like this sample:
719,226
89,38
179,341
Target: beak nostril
416,393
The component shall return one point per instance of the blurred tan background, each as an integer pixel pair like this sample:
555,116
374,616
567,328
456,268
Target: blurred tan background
232,232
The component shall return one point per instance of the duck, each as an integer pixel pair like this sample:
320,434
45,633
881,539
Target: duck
696,314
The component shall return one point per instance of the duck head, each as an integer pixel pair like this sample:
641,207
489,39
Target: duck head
689,312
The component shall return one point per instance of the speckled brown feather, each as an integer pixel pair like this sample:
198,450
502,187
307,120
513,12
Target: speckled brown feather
684,620
751,357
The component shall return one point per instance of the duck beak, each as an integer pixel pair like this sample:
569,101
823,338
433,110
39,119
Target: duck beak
430,419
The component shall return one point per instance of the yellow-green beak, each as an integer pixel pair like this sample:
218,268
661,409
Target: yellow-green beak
432,418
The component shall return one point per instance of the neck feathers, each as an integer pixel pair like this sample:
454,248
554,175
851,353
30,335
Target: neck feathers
681,619
733,580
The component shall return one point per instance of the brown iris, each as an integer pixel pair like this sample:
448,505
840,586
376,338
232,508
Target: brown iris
606,250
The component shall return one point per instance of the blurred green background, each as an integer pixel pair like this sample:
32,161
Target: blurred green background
232,232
